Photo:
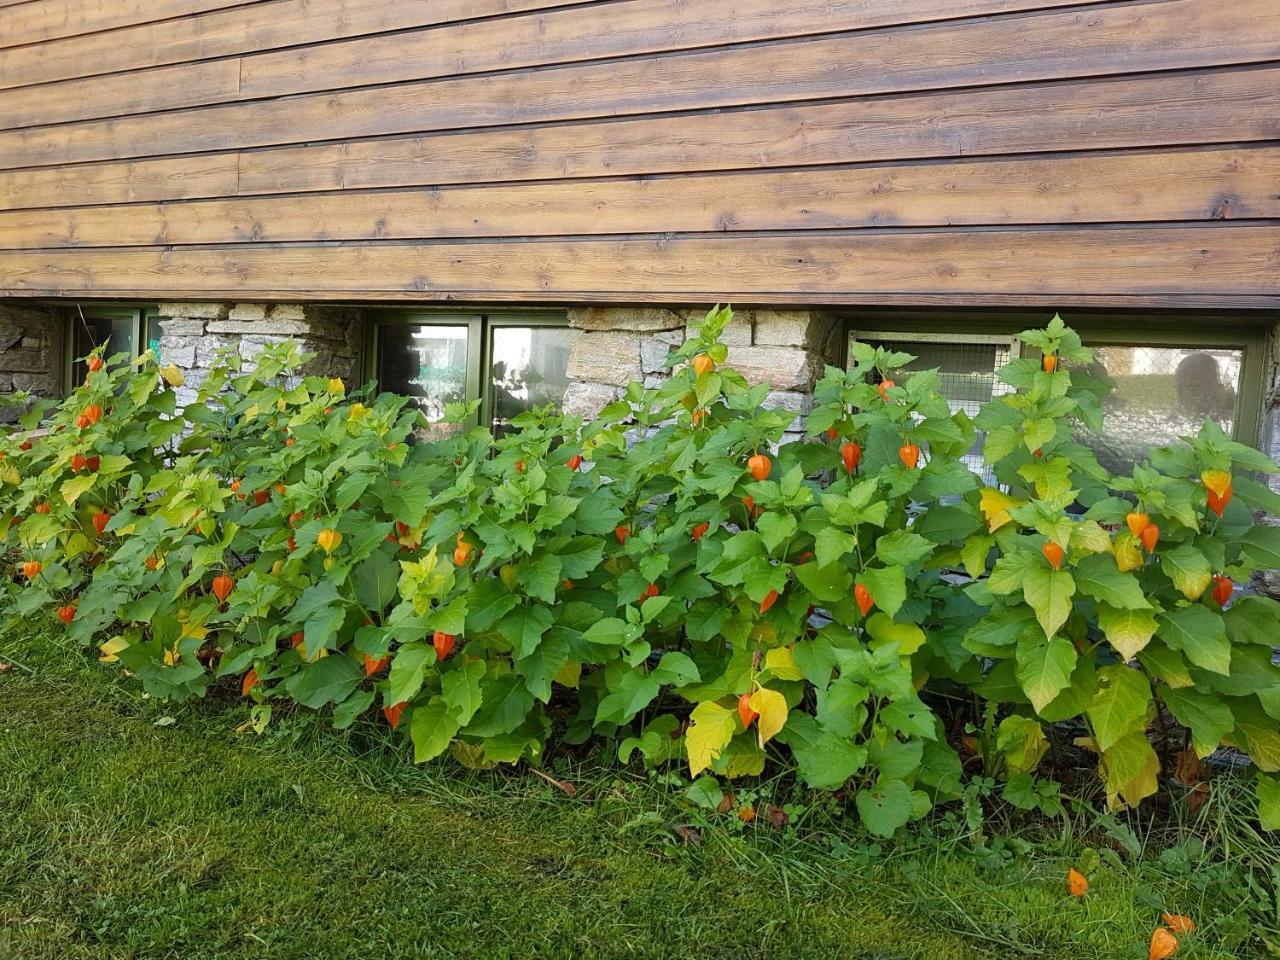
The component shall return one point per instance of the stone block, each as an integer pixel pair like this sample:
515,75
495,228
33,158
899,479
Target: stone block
263,327
10,335
248,312
182,327
782,368
45,384
179,350
628,319
806,329
193,311
588,399
798,403
653,355
208,348
611,358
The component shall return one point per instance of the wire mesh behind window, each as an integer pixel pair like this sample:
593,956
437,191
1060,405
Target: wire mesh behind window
968,374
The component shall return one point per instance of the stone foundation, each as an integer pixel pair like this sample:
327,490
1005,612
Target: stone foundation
30,352
195,333
783,348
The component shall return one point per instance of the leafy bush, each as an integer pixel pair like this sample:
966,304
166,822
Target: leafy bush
667,576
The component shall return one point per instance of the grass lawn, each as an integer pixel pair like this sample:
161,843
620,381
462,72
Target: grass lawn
132,829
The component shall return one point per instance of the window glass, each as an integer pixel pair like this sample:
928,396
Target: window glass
427,362
527,369
967,369
89,332
1158,394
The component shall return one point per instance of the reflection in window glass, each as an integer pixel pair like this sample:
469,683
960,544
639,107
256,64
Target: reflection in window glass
89,332
527,370
427,363
967,370
1159,394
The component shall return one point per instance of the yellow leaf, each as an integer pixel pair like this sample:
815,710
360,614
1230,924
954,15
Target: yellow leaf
711,728
569,674
111,649
1087,536
995,506
781,662
1127,552
336,385
172,375
1219,481
251,412
772,707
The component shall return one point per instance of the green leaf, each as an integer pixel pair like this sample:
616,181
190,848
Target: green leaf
407,671
885,807
1268,801
630,691
902,548
1189,570
1199,633
831,544
1130,767
1049,593
1022,742
375,580
1128,631
523,629
883,631
542,577
1208,718
827,584
351,708
887,586
611,632
775,529
76,487
1098,576
460,688
1261,547
431,727
825,761
1120,705
1044,668
328,680
506,703
705,792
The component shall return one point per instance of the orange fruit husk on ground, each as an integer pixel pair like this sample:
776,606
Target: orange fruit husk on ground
1077,882
1177,923
1163,945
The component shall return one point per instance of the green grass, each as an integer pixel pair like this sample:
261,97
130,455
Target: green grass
122,838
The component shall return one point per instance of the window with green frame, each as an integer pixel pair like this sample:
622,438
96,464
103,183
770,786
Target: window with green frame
122,328
510,362
1167,373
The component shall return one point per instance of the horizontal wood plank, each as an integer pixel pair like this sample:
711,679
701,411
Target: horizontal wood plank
625,28
221,33
1168,185
45,20
1210,260
1206,107
1129,39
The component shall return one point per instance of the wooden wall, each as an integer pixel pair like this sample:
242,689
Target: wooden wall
836,151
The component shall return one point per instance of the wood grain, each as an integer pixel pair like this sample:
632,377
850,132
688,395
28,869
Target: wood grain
1129,39
1152,187
1202,107
1209,261
625,28
37,22
264,26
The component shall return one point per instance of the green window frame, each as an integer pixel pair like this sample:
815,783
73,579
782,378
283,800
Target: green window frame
480,325
141,320
1249,333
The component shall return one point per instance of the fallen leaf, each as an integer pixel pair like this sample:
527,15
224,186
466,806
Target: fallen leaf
778,817
688,835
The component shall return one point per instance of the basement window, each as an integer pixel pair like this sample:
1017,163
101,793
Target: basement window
1166,375
123,329
510,362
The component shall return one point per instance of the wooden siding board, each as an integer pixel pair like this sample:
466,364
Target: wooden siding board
626,28
1171,34
46,20
1213,260
1167,185
277,23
